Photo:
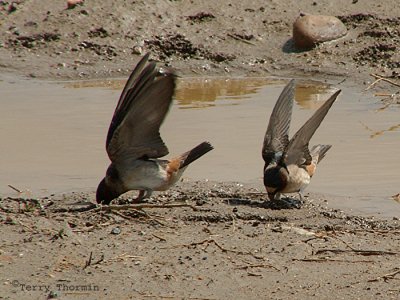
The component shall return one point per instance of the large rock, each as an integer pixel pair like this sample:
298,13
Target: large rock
310,30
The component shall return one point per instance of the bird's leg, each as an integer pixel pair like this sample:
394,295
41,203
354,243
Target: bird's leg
148,194
140,197
301,196
143,194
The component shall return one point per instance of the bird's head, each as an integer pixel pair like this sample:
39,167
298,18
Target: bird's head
105,193
275,180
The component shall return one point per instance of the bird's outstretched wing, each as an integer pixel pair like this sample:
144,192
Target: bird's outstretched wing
141,109
297,151
276,138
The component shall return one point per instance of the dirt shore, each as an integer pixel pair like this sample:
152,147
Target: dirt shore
105,39
215,240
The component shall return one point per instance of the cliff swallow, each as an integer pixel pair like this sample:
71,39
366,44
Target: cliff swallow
134,144
289,164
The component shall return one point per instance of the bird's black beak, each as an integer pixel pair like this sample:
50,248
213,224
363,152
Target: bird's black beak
105,194
271,196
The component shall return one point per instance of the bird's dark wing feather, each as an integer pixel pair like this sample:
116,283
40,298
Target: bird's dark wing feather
143,105
124,102
297,150
276,138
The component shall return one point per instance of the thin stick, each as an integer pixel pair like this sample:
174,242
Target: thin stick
144,205
89,261
383,95
331,259
362,252
372,84
258,266
385,79
159,237
14,188
120,257
108,208
240,39
121,215
212,241
387,276
344,242
124,256
254,274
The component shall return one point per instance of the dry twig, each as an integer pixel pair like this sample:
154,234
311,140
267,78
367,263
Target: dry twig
212,241
387,276
159,237
257,266
372,84
112,208
357,251
89,261
240,39
385,79
144,205
120,257
14,188
325,259
122,215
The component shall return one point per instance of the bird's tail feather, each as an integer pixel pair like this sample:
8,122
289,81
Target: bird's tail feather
318,152
197,152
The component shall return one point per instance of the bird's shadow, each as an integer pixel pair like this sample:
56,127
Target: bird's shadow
283,203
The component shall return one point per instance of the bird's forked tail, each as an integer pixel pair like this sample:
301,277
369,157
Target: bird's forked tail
194,154
318,152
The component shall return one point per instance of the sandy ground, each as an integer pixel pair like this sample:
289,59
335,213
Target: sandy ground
216,240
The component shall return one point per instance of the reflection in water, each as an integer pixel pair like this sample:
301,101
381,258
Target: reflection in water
204,92
113,84
376,133
200,92
386,105
196,92
311,94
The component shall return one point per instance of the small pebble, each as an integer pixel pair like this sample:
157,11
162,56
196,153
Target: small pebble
116,230
53,295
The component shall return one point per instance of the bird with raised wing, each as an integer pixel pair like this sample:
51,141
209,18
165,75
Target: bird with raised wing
290,164
134,144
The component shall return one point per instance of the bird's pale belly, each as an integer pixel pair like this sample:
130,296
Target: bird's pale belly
148,175
298,180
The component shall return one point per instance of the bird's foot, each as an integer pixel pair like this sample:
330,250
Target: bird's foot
301,196
143,194
283,203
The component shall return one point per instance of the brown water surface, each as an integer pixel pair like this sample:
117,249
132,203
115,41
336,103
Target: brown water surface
53,136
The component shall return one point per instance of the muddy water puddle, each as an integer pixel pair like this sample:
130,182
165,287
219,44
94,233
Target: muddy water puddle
53,136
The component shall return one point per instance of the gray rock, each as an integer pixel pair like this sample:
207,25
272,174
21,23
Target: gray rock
310,30
116,230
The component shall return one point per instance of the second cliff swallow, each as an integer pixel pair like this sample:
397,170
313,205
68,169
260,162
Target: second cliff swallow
289,164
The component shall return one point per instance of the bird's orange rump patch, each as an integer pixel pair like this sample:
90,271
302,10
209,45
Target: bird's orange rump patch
311,169
173,165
